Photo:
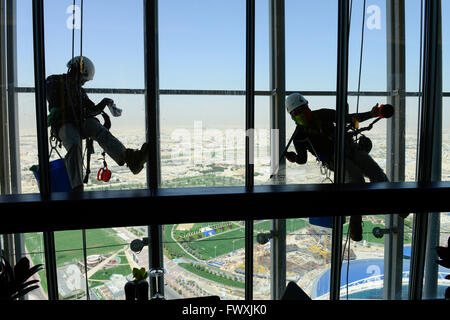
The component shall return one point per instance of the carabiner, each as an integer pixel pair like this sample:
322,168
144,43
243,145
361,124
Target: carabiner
104,174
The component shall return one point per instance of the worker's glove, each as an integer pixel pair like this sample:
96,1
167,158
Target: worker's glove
375,112
107,101
116,112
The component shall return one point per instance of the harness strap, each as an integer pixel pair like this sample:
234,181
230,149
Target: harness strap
90,147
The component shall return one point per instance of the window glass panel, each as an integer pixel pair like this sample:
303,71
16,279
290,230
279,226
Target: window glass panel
31,248
202,135
202,147
262,49
109,262
25,102
204,259
393,141
28,144
308,256
310,66
114,67
205,48
263,134
35,252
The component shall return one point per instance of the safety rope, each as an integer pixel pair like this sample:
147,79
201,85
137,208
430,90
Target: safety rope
73,29
361,55
324,170
81,28
83,231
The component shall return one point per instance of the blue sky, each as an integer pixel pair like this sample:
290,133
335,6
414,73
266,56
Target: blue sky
202,46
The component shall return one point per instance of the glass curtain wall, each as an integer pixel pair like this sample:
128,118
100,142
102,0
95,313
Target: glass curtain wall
438,229
116,50
202,99
100,259
310,71
385,55
204,259
202,114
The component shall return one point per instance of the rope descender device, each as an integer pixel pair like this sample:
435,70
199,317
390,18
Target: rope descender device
104,174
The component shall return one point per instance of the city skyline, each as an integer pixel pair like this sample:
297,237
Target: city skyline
198,155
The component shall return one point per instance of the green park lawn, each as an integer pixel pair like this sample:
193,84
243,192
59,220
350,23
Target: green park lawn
223,242
211,276
69,246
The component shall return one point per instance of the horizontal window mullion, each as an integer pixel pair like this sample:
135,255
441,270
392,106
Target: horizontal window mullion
323,200
231,92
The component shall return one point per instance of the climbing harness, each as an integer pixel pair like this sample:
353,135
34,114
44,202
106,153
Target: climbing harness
324,170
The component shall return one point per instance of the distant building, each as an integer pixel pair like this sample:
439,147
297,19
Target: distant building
71,281
93,259
116,286
208,231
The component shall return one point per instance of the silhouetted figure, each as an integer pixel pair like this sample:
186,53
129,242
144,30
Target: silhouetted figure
73,118
316,130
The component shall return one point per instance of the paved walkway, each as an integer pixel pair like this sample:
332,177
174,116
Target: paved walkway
102,264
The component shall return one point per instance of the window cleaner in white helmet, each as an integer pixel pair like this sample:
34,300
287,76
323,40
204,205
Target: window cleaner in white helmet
73,118
317,137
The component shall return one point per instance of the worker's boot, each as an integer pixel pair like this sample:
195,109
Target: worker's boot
135,159
355,228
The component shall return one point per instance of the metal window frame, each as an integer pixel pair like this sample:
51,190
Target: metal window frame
235,92
5,185
152,93
428,162
431,267
249,139
339,162
278,139
13,112
395,166
151,62
41,125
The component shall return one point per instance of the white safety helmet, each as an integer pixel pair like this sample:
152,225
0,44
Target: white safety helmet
295,100
85,65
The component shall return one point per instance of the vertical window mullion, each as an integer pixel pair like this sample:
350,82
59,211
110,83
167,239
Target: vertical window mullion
40,94
83,235
5,178
152,91
152,127
249,139
249,259
395,37
11,58
42,137
250,96
278,139
339,173
429,127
